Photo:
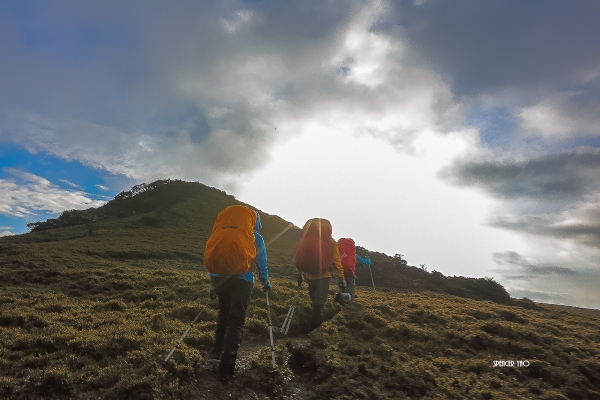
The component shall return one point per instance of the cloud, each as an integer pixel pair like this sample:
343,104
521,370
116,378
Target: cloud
512,49
203,109
579,223
527,75
5,231
580,289
70,184
561,274
555,177
240,18
28,194
542,296
211,107
524,269
564,115
555,196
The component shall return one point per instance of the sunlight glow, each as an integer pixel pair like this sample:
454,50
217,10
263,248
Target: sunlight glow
387,200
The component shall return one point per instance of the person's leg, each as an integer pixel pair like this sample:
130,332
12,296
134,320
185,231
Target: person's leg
311,289
240,291
318,290
351,285
224,308
316,311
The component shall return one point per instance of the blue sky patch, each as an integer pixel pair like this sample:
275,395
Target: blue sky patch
70,175
496,126
66,175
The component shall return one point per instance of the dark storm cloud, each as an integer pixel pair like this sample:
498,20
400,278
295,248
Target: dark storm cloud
521,268
585,229
558,177
494,45
552,196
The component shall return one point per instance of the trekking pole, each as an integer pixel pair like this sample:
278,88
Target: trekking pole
288,318
372,279
371,271
270,330
287,328
186,331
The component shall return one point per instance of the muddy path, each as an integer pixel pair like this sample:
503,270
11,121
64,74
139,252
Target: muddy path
248,382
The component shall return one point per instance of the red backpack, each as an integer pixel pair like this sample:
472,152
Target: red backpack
313,251
347,255
230,248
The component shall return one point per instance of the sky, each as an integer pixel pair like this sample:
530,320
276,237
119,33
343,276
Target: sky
463,135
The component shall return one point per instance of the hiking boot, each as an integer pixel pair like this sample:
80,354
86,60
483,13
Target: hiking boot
213,354
224,378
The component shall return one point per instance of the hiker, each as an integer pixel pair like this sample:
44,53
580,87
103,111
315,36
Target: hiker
318,258
232,248
349,258
366,262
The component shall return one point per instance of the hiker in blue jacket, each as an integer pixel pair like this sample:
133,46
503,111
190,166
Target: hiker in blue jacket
233,292
365,261
351,279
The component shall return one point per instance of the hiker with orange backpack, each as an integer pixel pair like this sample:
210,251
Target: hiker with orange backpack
233,247
318,259
349,259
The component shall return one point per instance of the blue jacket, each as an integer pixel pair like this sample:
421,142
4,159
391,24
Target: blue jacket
260,260
366,261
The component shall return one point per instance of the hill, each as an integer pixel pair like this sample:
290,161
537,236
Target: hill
94,300
183,214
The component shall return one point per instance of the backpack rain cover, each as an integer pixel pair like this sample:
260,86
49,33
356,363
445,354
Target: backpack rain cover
313,251
347,255
230,248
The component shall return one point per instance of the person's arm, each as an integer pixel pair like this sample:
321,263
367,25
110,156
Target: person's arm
337,264
261,258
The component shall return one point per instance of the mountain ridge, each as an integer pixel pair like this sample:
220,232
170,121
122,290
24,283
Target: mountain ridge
153,204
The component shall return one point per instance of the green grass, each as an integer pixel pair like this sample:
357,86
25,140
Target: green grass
438,346
90,310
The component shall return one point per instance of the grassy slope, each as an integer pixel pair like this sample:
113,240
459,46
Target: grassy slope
91,311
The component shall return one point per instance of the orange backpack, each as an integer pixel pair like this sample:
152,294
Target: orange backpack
313,251
230,248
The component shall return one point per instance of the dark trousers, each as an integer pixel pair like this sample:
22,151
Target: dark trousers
350,284
234,296
318,291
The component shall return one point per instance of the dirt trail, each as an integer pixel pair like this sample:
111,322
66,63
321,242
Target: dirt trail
204,384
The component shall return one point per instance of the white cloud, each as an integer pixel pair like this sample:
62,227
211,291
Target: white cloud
6,233
31,193
364,58
386,200
69,183
561,116
579,290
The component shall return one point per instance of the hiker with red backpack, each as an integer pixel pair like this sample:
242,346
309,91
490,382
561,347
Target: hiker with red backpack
233,247
349,258
318,259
